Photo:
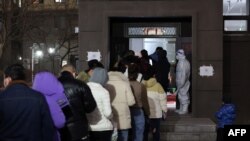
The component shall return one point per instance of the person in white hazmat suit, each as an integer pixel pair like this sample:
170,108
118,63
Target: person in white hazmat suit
182,81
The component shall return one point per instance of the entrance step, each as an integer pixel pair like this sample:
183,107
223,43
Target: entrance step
174,136
187,128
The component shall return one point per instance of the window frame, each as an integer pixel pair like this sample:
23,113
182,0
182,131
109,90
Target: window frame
153,25
237,17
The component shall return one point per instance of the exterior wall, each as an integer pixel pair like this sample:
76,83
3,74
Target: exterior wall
52,5
206,38
236,74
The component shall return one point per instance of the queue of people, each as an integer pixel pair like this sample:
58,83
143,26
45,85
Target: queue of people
87,107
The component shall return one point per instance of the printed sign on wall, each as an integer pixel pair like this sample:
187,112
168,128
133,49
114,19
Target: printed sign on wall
94,55
206,70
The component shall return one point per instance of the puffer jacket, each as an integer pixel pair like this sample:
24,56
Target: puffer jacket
226,115
100,118
156,98
81,101
47,84
121,97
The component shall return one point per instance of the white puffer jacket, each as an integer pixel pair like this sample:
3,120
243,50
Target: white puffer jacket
100,118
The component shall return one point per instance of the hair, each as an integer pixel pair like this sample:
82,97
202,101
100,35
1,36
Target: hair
121,66
69,68
162,54
131,52
133,71
158,48
15,72
144,53
149,73
66,74
94,63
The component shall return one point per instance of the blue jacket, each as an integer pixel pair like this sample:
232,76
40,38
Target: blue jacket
225,115
24,115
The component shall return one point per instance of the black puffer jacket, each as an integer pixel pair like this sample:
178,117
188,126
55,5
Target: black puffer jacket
81,102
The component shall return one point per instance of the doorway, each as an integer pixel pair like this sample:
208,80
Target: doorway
171,33
168,44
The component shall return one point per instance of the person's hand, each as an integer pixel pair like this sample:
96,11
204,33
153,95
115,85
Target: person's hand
164,115
176,92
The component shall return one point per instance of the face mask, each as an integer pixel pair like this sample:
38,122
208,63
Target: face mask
177,57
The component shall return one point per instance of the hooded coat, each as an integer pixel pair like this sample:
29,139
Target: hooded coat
121,98
47,84
156,98
100,118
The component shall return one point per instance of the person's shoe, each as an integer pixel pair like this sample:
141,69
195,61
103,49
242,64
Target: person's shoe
184,109
180,109
177,111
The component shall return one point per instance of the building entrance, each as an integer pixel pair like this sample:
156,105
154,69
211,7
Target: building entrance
148,33
150,45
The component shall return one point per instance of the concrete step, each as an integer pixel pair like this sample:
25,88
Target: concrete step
188,124
180,136
187,128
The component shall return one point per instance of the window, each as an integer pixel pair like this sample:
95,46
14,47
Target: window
60,22
37,1
235,7
59,1
76,29
235,25
151,30
17,2
236,15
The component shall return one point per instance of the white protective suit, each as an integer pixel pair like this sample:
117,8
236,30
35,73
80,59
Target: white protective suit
182,81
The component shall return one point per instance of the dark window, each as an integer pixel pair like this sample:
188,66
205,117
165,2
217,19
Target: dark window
60,22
